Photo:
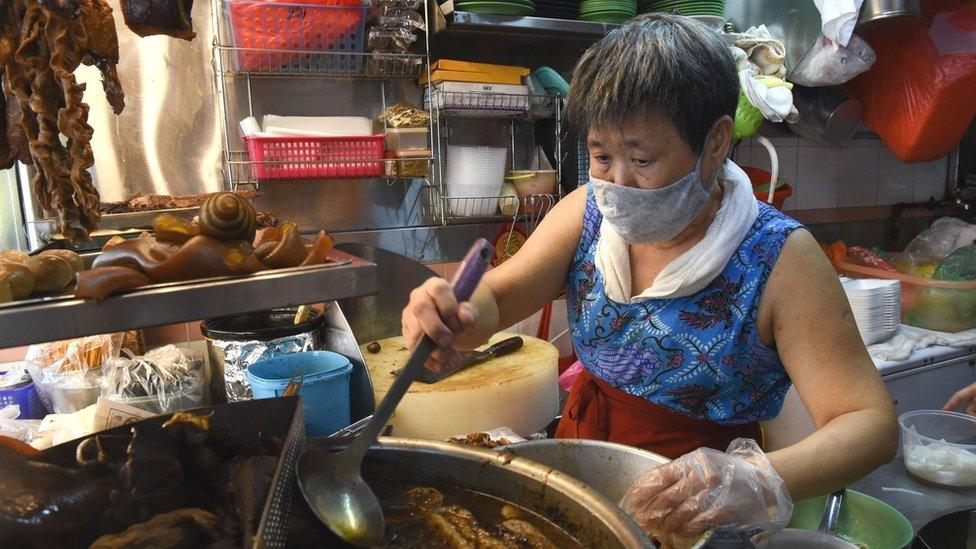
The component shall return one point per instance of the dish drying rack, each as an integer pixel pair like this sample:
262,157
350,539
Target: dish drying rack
338,35
515,115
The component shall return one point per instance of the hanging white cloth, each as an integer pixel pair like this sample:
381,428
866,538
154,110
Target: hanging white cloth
693,270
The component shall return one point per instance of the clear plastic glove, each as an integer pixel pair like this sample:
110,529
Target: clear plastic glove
706,491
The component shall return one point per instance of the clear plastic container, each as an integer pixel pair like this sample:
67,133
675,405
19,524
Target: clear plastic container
407,139
941,305
939,446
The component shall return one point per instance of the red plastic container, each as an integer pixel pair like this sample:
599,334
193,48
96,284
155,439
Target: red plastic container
276,158
274,34
759,178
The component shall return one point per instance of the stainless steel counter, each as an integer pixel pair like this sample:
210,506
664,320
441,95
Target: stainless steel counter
919,501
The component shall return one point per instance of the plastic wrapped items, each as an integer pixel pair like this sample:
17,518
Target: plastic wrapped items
163,380
404,115
68,373
920,95
932,245
24,430
395,24
959,265
869,258
16,388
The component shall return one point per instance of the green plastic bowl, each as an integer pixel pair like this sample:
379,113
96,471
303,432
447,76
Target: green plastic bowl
864,520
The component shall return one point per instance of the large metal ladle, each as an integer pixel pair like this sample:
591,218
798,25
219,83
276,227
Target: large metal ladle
332,483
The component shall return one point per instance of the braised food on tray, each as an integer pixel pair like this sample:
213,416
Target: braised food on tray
224,240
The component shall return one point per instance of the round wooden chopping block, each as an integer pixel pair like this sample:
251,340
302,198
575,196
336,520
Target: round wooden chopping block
518,390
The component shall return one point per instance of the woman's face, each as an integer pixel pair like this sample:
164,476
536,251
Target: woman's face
647,152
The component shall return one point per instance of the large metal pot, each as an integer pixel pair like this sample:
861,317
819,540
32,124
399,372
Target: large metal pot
566,501
607,467
882,10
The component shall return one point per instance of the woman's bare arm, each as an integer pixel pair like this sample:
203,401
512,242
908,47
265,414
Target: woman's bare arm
818,341
509,293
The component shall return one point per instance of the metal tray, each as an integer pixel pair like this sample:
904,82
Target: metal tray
63,316
48,227
281,417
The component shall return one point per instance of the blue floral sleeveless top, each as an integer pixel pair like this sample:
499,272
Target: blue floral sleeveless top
698,355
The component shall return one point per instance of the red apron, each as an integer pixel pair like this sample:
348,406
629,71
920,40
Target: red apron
599,411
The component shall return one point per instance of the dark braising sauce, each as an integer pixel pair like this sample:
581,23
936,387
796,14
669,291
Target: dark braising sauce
449,517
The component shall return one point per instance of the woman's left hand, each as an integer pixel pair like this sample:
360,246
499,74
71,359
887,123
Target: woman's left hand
707,490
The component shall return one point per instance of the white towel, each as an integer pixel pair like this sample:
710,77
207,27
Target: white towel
910,338
838,18
696,268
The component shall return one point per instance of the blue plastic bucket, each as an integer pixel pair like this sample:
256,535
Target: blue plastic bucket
325,386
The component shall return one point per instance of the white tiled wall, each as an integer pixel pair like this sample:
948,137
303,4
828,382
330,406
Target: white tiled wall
861,173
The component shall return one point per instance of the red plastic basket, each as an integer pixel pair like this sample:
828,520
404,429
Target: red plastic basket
315,157
284,30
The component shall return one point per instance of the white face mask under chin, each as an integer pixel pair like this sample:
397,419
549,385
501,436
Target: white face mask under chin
651,215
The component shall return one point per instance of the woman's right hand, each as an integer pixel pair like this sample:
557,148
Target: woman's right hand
434,311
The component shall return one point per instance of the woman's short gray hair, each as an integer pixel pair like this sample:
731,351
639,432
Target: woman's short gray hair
656,61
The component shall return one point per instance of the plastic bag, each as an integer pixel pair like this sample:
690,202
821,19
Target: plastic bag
827,63
920,96
397,18
67,373
837,55
14,376
934,244
408,4
24,430
959,265
567,378
390,41
163,380
870,258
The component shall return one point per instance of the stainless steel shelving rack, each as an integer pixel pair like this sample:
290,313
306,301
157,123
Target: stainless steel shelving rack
239,169
62,317
508,24
447,109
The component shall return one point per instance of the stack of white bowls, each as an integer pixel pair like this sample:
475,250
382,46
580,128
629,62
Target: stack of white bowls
876,304
474,179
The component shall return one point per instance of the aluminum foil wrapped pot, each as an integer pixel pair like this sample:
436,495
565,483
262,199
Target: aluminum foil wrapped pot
235,342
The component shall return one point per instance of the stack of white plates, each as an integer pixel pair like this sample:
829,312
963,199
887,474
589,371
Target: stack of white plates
474,179
876,304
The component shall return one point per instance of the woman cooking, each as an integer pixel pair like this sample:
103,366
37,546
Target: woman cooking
692,306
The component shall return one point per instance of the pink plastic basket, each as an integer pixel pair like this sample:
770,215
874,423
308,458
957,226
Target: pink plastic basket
316,157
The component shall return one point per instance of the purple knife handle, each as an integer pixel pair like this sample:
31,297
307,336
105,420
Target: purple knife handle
474,265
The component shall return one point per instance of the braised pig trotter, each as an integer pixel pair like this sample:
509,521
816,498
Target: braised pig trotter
181,528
